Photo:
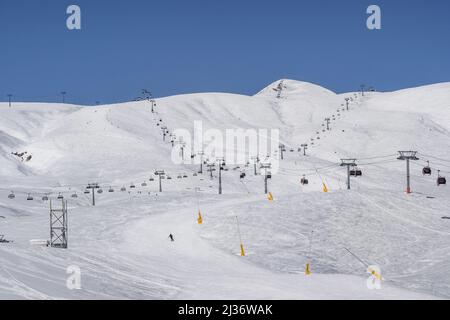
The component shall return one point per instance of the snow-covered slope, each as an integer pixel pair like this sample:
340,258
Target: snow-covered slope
121,245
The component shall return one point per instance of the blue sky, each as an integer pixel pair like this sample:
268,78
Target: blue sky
240,46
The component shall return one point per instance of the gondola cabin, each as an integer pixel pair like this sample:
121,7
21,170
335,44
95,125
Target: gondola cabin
356,172
441,180
427,170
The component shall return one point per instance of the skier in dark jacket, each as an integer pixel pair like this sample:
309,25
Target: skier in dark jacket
171,238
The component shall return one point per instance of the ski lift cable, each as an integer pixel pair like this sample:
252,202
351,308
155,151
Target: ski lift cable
107,183
379,157
312,172
432,168
428,163
433,157
437,163
377,163
289,171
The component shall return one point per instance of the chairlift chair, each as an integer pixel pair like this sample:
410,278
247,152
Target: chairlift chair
243,175
111,190
123,189
12,195
30,198
45,198
132,186
144,184
168,177
74,195
86,191
60,197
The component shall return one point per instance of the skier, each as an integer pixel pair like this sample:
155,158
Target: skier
171,238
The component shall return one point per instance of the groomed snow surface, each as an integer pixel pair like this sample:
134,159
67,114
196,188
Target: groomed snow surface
122,245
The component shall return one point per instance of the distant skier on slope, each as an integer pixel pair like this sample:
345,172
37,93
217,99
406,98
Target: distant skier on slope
171,238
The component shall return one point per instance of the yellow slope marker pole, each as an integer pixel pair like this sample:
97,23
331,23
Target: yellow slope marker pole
270,197
308,264
375,274
325,188
200,218
307,270
240,237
